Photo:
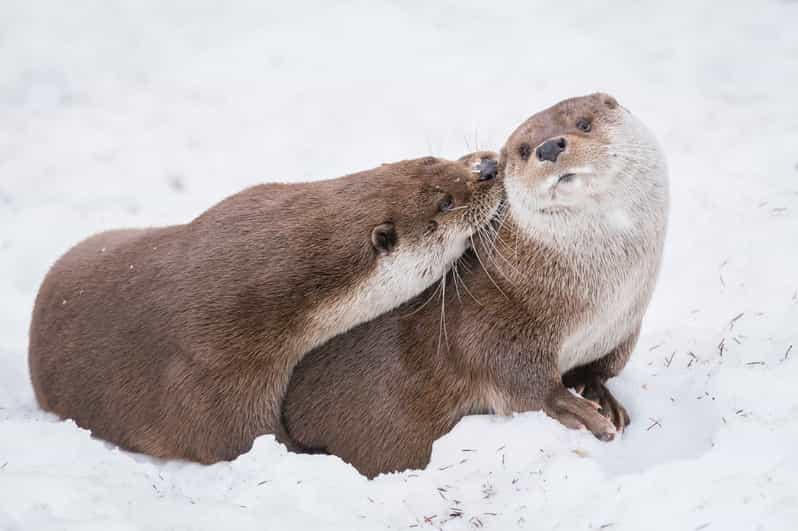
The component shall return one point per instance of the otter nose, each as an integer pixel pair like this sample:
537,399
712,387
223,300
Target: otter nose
550,150
487,169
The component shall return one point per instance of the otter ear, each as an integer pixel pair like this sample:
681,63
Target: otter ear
383,238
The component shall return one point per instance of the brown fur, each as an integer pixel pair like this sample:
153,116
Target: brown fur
179,341
380,395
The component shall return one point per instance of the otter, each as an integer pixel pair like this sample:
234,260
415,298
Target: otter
554,299
179,342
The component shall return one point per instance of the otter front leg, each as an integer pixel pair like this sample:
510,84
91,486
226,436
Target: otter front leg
590,381
538,386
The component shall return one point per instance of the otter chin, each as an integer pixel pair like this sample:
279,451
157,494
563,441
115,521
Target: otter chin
553,300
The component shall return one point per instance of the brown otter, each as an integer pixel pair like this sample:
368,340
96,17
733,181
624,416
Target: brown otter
565,280
179,341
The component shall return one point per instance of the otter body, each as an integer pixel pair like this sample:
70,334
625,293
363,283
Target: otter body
179,341
554,300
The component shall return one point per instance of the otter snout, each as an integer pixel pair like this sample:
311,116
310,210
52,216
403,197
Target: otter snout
550,149
488,169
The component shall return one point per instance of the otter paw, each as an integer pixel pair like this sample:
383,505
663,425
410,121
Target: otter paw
577,413
596,391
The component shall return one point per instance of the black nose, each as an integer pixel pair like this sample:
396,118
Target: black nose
550,149
487,169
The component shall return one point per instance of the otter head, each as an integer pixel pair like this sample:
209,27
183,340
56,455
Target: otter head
585,154
448,203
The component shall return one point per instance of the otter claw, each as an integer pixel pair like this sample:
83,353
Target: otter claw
605,437
596,391
593,403
574,412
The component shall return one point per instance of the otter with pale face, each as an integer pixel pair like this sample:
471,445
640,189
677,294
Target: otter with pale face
553,300
590,180
179,341
583,163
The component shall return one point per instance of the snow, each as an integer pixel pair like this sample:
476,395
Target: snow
145,113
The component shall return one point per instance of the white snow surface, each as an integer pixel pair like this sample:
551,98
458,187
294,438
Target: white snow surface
138,113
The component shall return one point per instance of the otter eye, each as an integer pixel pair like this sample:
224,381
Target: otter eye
583,124
446,204
525,150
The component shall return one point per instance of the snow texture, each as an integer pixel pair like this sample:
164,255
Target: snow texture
136,113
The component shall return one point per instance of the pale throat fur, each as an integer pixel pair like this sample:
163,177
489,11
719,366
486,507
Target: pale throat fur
398,277
612,243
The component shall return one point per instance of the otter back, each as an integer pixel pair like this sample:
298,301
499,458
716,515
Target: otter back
179,341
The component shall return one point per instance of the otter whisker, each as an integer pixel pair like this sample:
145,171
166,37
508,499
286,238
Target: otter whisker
424,304
497,239
494,227
492,250
454,280
492,236
442,322
633,158
497,252
465,265
487,242
458,263
502,217
633,146
495,236
473,246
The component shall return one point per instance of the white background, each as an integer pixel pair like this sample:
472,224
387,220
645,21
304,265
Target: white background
147,112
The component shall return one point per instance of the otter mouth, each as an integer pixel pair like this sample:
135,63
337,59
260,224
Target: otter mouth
566,178
554,210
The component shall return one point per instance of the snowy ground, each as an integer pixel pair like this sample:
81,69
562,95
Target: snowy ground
142,113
